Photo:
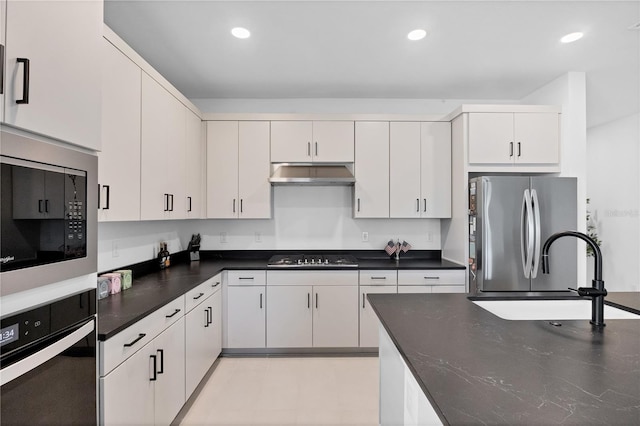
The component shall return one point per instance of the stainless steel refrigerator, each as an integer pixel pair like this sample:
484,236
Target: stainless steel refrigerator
510,217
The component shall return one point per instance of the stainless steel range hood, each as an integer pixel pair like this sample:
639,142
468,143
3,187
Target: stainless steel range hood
312,174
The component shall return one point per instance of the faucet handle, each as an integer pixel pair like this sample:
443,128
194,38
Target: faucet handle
589,291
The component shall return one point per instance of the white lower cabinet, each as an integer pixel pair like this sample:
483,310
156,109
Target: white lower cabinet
147,388
312,309
203,332
290,316
368,319
431,281
245,319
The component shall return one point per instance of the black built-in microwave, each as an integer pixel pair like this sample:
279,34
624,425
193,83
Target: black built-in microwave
47,213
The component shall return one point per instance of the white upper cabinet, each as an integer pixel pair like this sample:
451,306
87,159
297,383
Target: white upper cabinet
312,141
420,170
404,169
371,169
505,138
435,173
238,170
194,177
162,182
57,47
119,171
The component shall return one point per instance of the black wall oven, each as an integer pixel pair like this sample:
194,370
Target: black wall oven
48,367
48,213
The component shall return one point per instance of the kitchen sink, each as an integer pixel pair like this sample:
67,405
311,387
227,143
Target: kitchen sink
549,310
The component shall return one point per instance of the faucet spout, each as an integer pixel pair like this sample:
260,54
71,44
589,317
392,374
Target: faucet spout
597,290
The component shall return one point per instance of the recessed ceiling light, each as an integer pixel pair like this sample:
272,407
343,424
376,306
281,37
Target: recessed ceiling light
240,32
570,38
417,35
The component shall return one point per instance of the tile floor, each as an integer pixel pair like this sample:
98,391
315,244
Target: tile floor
289,391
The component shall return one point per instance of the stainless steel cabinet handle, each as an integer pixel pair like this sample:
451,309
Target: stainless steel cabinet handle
425,205
260,300
155,368
241,209
216,284
316,300
234,205
308,149
363,300
207,321
136,340
417,204
173,314
25,82
189,208
510,149
308,300
378,278
316,148
198,296
431,278
246,278
161,352
519,151
358,204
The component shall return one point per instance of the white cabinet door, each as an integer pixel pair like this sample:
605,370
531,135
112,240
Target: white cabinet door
222,169
404,167
169,385
333,142
246,317
291,141
119,171
214,337
194,165
197,344
156,108
491,138
371,170
289,317
435,153
254,189
537,137
63,42
175,179
335,316
369,322
127,392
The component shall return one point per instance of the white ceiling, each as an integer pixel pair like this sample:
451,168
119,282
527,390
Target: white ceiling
359,49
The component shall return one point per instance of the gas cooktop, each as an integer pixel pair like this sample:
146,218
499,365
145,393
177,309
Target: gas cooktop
312,260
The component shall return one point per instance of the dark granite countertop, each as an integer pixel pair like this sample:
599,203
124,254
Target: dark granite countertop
476,368
157,288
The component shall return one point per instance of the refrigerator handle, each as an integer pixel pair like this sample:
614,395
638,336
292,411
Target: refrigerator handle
537,241
526,233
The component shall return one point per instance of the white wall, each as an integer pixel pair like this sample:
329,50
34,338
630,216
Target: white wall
613,182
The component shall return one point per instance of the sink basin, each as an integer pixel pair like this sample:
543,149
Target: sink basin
549,310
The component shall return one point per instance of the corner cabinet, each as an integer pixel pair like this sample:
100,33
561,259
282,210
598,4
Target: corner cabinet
162,176
53,66
513,139
119,172
238,170
420,170
312,141
371,194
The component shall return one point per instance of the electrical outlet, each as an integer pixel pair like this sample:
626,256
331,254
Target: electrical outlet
115,249
258,237
365,237
223,237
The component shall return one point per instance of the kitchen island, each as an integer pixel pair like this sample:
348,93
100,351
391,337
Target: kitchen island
476,368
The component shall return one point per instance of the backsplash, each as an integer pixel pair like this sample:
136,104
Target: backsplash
303,218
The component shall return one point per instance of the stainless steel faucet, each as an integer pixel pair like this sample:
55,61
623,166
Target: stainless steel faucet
597,291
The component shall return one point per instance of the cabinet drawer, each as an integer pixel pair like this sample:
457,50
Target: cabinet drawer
246,277
448,289
124,344
312,277
432,277
385,277
196,296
